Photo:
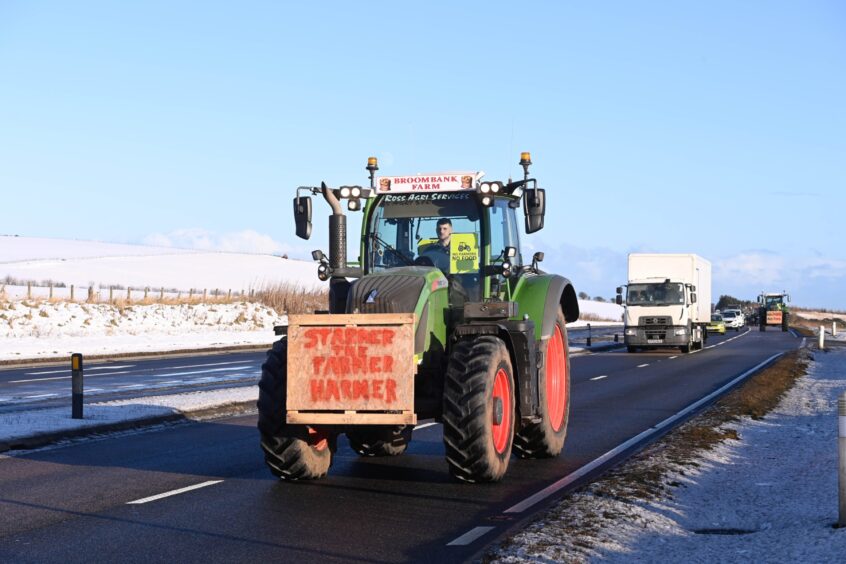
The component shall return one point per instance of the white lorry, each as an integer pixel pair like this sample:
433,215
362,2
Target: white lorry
668,301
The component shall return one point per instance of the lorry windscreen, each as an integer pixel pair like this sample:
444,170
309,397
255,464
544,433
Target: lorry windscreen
403,226
657,294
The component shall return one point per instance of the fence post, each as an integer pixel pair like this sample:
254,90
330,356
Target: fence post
28,290
190,295
161,294
229,297
90,294
71,292
50,294
129,295
822,337
833,328
146,291
205,291
111,294
589,335
841,447
76,386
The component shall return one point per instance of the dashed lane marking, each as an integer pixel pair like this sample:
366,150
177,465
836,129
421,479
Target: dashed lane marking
470,536
41,396
173,492
672,357
600,377
89,369
424,425
68,377
643,365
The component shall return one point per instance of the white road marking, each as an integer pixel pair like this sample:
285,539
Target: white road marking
87,369
600,377
173,492
130,386
424,425
710,346
68,377
643,365
596,463
672,357
210,364
41,396
172,382
5,399
192,372
93,389
470,536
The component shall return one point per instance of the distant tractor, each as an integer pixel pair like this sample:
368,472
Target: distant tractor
439,319
773,310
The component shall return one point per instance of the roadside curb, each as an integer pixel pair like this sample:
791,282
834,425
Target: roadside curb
44,439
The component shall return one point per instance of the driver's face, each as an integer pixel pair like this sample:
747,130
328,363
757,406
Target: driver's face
444,231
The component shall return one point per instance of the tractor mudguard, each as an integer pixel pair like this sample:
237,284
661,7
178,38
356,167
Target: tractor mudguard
518,337
539,297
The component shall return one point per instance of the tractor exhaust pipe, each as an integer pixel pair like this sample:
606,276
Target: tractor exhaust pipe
337,230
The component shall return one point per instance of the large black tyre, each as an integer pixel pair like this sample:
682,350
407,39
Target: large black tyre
380,440
292,452
631,349
546,438
478,412
784,322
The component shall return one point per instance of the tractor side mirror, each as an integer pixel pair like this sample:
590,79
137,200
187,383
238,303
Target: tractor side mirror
693,298
759,299
534,208
302,216
788,297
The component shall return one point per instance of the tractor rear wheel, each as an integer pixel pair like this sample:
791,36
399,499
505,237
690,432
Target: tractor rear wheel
546,438
478,409
292,452
380,440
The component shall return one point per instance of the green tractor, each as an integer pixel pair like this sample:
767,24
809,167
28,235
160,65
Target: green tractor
773,310
440,319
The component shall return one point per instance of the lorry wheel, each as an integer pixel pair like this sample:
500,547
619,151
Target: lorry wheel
380,440
685,349
631,349
292,452
546,438
478,410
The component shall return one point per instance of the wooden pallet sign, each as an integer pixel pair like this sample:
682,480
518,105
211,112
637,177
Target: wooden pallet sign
351,369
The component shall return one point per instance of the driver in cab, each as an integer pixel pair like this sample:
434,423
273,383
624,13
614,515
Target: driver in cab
438,252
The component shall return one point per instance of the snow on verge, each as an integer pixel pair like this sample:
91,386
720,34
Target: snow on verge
18,425
778,482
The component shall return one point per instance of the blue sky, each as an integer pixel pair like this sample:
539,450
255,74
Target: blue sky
717,128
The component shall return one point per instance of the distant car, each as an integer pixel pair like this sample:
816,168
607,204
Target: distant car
739,314
717,324
732,320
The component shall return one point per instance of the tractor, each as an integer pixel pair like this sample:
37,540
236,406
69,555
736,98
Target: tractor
773,310
439,319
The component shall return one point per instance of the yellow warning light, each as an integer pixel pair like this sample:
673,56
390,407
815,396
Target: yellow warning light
372,161
525,158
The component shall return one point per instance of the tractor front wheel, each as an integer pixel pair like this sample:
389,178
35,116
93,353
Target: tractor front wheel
545,439
478,409
380,440
784,323
292,452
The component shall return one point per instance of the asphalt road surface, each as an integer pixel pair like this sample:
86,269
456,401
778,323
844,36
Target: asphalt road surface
200,492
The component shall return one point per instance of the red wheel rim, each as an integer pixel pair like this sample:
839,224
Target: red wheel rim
556,379
501,432
318,440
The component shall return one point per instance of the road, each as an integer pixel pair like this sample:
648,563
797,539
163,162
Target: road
75,503
48,386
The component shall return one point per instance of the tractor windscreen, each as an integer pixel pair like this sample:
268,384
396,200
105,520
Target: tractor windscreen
774,302
436,229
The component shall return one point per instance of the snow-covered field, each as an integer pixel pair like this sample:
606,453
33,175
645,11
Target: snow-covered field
87,263
40,329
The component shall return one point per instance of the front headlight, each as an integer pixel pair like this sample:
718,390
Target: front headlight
681,331
631,332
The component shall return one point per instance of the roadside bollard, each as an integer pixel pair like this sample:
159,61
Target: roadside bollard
588,339
822,337
841,444
76,386
833,328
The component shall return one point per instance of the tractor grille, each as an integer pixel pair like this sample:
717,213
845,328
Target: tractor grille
385,294
655,327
